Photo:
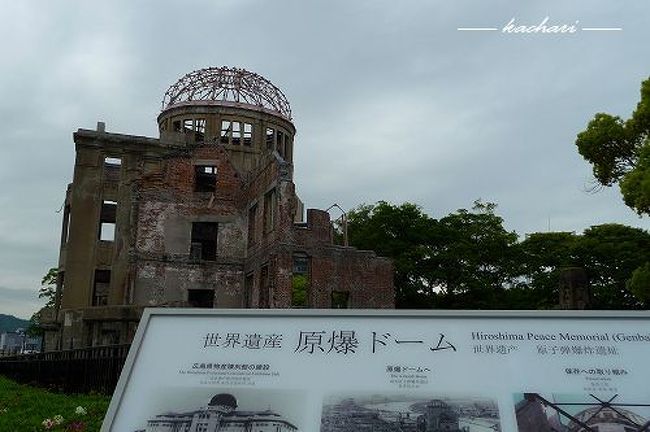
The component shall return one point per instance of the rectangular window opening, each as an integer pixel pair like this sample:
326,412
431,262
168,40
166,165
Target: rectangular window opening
114,161
107,232
188,125
205,178
200,298
236,133
300,280
177,126
199,129
204,241
287,148
107,219
101,286
270,136
248,134
280,143
226,131
112,169
340,299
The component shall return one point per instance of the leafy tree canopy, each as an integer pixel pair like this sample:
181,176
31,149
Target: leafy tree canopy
619,151
48,287
468,260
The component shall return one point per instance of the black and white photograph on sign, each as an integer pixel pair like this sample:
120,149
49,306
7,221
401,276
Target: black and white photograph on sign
225,410
409,413
546,412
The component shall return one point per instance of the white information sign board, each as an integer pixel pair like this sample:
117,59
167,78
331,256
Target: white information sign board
195,370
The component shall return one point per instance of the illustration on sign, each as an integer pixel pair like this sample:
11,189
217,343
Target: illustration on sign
422,413
228,410
580,413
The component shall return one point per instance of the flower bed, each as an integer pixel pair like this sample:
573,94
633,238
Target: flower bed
28,409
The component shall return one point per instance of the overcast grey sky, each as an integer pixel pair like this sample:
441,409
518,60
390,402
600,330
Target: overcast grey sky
390,100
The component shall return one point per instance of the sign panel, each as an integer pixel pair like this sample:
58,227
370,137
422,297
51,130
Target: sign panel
339,371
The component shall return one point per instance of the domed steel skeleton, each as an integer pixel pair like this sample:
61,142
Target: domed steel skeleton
230,86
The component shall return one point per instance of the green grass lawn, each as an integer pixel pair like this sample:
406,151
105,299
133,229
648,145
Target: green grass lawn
24,408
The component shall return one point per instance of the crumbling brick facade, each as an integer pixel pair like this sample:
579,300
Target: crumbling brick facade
206,215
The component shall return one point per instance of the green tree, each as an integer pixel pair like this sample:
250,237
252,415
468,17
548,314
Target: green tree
639,283
400,233
474,259
610,253
464,260
543,257
47,290
619,151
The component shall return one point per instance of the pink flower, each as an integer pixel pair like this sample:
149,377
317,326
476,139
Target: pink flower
77,426
48,423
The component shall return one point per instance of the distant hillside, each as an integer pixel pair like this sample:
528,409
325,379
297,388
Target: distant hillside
9,323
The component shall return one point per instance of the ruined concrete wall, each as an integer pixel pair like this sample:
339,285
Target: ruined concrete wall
93,183
167,205
366,278
167,283
82,241
264,243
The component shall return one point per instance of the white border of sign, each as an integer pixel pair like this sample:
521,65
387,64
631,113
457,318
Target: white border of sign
550,315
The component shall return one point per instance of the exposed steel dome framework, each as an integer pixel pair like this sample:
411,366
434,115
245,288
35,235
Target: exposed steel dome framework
229,86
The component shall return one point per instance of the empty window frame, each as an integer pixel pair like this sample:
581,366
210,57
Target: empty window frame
194,126
287,148
340,299
270,204
205,178
200,298
236,133
112,161
107,220
188,125
101,287
279,143
252,216
270,139
112,168
232,133
226,132
248,135
300,280
204,241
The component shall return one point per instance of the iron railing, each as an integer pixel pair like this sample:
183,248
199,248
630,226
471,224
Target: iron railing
83,370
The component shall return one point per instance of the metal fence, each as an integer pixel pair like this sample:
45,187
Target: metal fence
71,371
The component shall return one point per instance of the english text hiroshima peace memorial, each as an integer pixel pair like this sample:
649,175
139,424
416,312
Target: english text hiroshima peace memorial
206,215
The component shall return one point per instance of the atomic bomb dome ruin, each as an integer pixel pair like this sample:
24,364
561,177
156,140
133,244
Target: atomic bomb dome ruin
206,215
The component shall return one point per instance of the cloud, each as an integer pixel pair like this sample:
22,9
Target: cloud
390,101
